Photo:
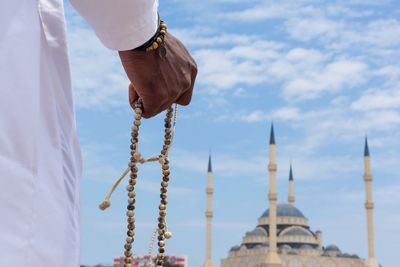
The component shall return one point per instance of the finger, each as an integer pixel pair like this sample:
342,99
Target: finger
133,96
147,111
154,110
185,98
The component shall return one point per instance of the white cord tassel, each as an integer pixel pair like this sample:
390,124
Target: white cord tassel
107,203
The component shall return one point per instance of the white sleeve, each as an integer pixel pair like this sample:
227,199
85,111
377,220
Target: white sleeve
120,24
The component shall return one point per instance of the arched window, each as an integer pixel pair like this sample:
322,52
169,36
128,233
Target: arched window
312,263
294,263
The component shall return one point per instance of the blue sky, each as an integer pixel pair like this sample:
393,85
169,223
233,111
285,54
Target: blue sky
326,73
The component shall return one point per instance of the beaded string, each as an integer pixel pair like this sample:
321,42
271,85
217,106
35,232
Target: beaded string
161,231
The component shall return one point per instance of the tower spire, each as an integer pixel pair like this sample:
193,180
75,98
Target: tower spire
209,216
290,173
272,135
209,163
366,148
273,259
369,206
291,187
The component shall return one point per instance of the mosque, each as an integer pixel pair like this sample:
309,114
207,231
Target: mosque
283,237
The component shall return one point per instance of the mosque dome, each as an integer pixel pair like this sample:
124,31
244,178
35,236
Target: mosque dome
258,231
235,248
297,231
285,210
332,248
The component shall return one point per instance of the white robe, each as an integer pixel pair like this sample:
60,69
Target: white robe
40,160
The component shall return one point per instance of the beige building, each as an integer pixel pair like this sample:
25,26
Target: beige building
283,237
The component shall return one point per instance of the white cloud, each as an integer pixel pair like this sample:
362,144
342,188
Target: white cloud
378,33
378,99
334,76
307,29
281,114
269,10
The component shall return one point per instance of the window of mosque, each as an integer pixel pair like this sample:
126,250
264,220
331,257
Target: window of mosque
329,264
295,263
312,263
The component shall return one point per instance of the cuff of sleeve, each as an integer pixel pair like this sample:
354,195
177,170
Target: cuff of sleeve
134,35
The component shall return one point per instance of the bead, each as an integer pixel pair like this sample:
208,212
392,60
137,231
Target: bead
128,247
163,32
154,46
138,111
162,207
165,167
129,187
137,122
130,213
161,243
165,172
131,200
161,250
130,207
137,156
130,220
130,233
159,40
168,235
164,184
129,239
162,213
132,182
131,194
128,254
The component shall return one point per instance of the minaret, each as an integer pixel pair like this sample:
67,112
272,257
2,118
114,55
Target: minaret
369,206
291,187
273,259
209,215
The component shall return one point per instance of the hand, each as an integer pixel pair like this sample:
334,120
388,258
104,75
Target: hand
160,81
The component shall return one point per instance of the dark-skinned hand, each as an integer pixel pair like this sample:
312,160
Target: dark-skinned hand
159,81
